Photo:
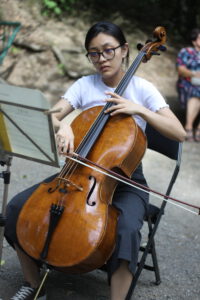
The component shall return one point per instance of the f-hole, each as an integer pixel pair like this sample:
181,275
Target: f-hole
93,179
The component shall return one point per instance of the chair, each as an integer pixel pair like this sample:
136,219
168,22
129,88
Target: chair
8,31
171,149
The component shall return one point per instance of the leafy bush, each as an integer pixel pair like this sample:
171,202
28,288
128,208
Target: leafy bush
58,7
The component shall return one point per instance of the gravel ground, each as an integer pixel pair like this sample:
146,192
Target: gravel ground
177,240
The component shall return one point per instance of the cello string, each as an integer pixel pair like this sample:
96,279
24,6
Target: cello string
125,80
150,192
84,143
60,176
61,173
68,170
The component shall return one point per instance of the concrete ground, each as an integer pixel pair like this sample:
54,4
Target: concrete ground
177,240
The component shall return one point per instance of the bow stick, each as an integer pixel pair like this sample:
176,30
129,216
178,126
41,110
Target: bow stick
85,162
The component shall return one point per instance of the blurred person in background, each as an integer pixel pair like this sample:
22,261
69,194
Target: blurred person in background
188,85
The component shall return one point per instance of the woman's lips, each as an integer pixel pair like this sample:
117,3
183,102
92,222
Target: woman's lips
104,68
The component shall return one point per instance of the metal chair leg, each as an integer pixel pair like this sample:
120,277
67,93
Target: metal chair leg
155,263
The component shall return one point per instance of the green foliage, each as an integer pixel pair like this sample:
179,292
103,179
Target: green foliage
61,69
57,8
14,50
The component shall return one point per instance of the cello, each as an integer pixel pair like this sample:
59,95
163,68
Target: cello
70,223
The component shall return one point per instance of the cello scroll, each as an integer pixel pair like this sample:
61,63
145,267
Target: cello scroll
152,47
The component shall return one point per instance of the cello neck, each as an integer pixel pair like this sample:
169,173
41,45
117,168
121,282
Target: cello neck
129,74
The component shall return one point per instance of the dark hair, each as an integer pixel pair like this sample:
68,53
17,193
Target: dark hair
194,34
107,28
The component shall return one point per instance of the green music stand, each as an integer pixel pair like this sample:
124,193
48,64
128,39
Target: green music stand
8,32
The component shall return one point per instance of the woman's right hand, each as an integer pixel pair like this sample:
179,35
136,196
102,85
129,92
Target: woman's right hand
65,139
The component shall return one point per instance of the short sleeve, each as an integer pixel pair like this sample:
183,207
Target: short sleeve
73,94
152,98
183,57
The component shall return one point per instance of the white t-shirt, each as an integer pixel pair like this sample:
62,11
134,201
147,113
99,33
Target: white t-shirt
89,91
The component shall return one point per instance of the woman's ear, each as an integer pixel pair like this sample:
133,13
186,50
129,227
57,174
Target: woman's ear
125,49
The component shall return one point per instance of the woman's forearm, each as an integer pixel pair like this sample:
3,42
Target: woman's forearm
165,122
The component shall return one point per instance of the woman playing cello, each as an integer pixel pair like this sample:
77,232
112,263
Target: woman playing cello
107,49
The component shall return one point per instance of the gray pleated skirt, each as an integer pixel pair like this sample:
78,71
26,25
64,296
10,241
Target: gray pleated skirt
132,204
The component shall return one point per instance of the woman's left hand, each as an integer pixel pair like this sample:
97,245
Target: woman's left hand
121,105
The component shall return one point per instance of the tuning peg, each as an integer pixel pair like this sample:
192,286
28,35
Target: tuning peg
155,53
139,46
162,48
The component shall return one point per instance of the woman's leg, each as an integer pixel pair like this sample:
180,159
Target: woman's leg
29,268
123,262
193,109
121,281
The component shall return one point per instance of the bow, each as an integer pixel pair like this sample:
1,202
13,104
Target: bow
86,162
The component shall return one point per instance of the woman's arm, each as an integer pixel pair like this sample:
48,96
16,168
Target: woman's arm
64,133
64,108
185,72
163,121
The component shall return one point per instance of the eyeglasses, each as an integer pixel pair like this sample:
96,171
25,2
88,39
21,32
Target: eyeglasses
108,54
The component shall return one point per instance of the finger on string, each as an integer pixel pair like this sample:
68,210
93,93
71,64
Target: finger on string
112,94
110,108
116,112
114,100
115,107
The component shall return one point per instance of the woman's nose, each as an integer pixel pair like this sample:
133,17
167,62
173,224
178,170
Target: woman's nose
101,57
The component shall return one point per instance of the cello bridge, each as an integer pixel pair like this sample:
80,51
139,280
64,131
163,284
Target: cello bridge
70,183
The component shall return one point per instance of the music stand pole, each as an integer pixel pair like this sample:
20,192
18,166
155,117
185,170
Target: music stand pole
5,160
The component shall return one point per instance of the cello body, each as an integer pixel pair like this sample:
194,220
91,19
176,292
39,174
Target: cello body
84,237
